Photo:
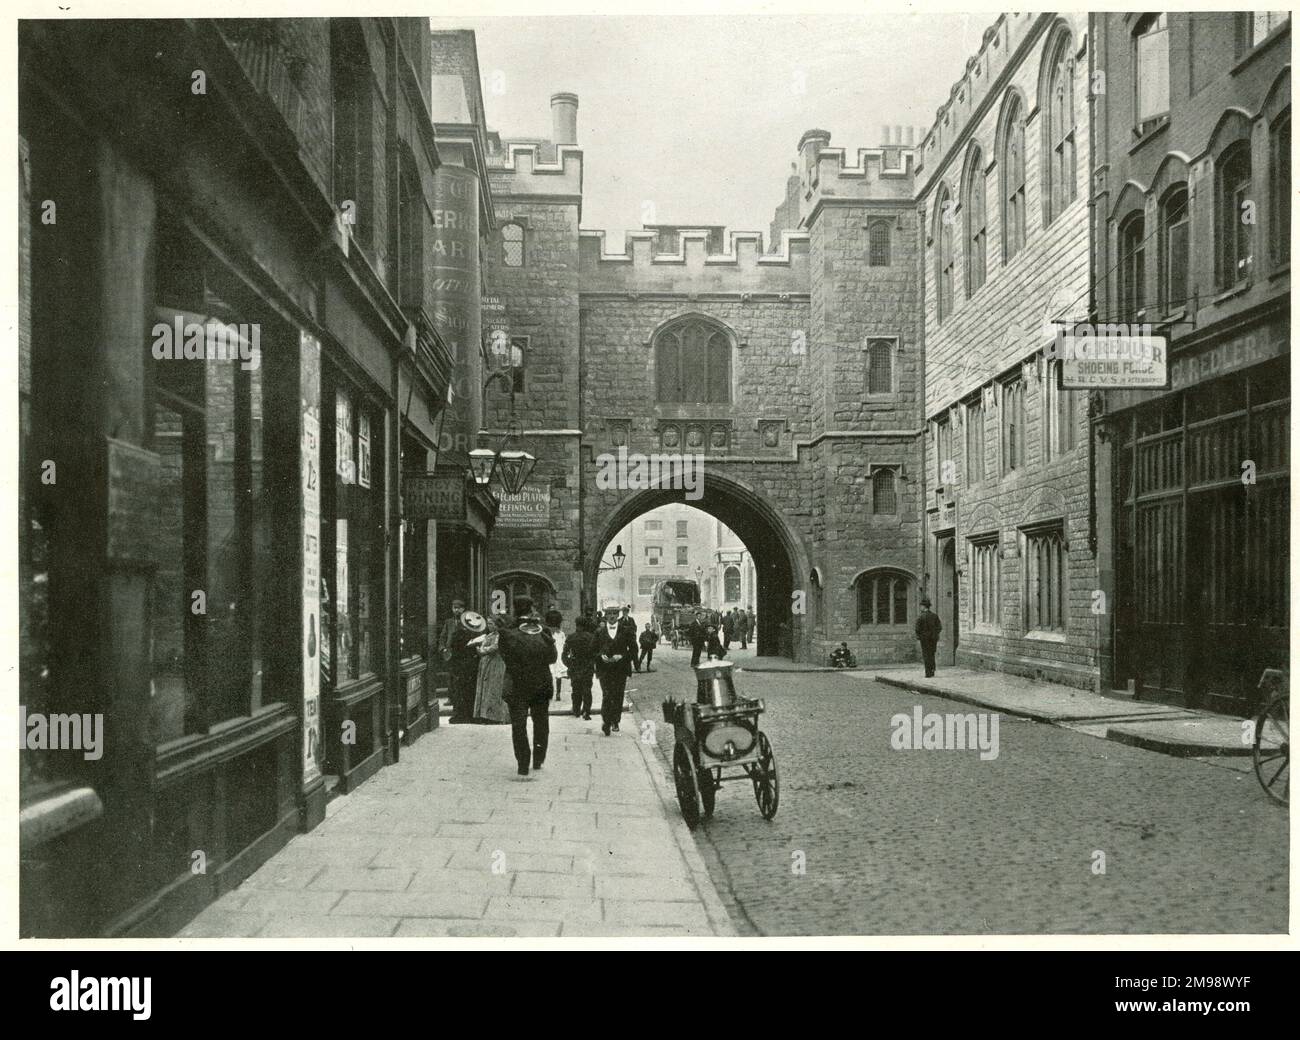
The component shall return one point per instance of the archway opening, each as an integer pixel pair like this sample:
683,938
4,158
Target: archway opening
754,544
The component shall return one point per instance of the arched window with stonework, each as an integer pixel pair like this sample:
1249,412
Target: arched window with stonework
692,363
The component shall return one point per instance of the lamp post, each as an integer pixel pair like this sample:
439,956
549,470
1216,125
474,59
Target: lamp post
616,563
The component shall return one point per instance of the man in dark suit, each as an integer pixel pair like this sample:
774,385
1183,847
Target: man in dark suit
528,650
697,633
580,659
928,627
615,651
627,623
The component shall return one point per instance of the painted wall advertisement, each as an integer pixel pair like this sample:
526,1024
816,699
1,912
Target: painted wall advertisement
531,507
311,560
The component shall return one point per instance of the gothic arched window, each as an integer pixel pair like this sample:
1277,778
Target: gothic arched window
878,244
1012,163
692,363
1060,188
976,223
731,585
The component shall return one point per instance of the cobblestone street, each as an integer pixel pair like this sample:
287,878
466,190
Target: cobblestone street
917,842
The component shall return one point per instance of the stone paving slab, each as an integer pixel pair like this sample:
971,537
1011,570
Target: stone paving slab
1155,727
451,844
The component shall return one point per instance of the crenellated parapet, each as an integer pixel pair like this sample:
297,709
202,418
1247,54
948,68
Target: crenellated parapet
526,169
827,176
742,268
999,48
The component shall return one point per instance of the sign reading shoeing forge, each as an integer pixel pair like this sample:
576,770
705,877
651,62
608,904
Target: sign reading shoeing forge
1118,356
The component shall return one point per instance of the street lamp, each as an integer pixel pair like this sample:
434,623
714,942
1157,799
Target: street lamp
618,559
482,464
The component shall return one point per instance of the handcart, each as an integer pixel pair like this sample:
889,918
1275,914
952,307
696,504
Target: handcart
717,740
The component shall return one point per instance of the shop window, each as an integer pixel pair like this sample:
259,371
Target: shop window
352,532
945,262
1175,229
692,363
1151,62
975,441
1280,189
880,366
1046,591
878,244
1013,178
1060,181
1013,425
512,244
976,223
985,582
1132,267
731,584
1233,218
213,537
884,496
884,598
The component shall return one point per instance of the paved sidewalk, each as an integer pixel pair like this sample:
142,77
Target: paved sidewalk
1156,727
450,842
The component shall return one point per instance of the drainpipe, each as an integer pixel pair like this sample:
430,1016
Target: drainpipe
921,383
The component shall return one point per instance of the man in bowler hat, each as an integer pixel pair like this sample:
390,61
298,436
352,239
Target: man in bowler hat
928,627
528,650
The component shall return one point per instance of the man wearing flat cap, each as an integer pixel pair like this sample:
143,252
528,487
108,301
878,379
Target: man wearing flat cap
928,627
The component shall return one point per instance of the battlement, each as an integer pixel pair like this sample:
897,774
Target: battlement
521,169
998,48
744,267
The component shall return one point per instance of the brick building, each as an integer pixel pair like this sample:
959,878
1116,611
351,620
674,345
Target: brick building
1002,193
215,561
1191,234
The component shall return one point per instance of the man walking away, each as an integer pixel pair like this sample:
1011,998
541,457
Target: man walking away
580,659
528,651
615,651
746,627
928,627
649,640
728,628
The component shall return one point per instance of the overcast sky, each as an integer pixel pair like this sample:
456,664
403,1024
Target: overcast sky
699,117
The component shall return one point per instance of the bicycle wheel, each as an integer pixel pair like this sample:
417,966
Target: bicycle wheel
1272,751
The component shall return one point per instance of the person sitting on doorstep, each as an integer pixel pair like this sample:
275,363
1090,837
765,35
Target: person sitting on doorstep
842,657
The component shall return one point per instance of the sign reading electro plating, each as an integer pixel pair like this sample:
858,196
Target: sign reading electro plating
1112,357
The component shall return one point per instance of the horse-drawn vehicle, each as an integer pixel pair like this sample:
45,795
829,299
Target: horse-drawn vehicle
718,732
674,604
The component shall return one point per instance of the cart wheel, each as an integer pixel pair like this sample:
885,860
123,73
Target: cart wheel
1273,749
688,795
767,784
708,790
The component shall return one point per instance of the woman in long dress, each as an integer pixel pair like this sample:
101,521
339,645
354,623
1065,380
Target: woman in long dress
489,699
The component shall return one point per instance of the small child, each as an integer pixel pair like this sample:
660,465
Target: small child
559,672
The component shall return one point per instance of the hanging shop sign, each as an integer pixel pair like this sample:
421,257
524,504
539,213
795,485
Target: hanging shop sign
531,508
1107,357
428,496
